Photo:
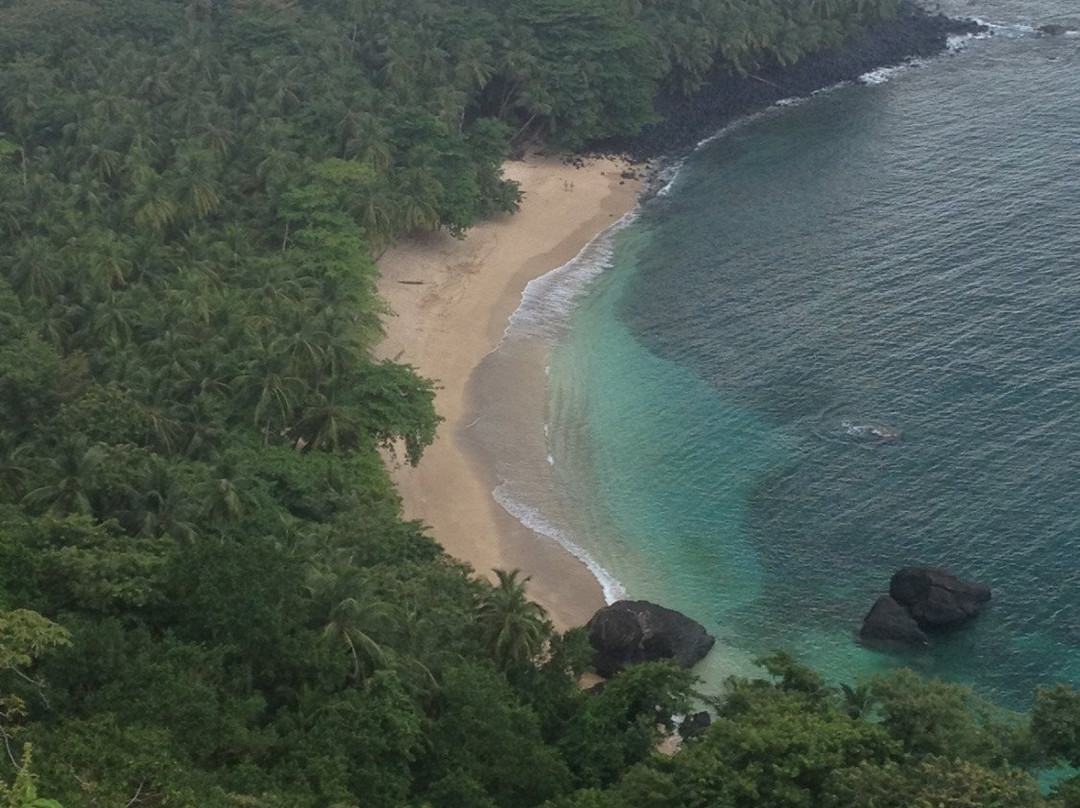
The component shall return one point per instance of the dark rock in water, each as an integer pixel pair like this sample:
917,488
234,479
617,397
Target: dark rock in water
937,599
695,724
1053,30
889,624
632,631
873,433
885,433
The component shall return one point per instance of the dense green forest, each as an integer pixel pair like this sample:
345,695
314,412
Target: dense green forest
207,594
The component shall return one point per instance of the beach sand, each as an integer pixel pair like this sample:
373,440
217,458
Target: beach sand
451,300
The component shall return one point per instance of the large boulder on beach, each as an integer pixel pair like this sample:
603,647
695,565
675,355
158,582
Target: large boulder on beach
937,599
632,631
888,624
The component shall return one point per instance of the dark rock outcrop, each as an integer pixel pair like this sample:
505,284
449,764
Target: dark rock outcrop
632,631
872,433
725,95
888,624
936,599
695,724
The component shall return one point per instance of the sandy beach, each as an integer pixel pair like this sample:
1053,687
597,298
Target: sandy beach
451,300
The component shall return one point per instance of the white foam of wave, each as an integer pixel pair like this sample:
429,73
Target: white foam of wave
830,88
534,520
884,74
1008,29
957,42
548,301
738,123
667,175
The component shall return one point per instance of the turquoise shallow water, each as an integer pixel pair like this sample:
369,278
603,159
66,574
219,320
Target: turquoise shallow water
906,253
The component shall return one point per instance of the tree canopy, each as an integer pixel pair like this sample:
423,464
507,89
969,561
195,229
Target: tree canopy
208,595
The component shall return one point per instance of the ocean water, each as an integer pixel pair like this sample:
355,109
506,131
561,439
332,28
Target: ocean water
903,251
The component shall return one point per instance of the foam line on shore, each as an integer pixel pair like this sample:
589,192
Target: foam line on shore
547,304
548,301
455,317
535,521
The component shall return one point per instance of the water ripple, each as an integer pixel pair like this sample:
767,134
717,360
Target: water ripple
908,255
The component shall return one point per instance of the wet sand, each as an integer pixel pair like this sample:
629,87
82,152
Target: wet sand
451,300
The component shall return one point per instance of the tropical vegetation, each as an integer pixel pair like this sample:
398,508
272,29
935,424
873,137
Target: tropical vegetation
208,596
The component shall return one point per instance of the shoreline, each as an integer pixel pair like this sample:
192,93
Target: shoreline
726,97
453,299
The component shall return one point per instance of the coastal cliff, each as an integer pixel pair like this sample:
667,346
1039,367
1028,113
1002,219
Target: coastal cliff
726,94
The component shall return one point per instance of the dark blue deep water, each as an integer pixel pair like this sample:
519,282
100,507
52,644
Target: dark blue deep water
903,253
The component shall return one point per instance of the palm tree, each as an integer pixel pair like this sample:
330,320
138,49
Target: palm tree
157,84
340,337
201,426
379,214
419,642
98,262
329,425
35,271
475,64
12,471
234,87
515,628
160,506
400,60
217,136
279,158
271,388
857,701
171,355
70,474
163,430
282,85
373,143
227,495
344,624
13,208
105,163
154,207
418,191
112,320
301,345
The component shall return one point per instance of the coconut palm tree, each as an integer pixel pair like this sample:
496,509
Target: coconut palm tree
329,424
345,624
515,628
273,392
70,475
35,270
227,495
160,506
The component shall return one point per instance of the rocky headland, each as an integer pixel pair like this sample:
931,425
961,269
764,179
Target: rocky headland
726,96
